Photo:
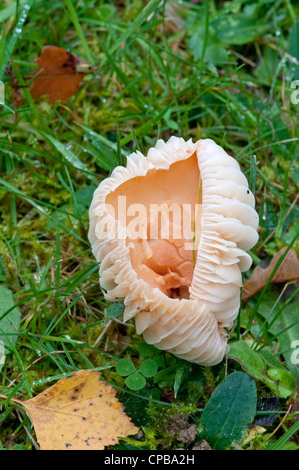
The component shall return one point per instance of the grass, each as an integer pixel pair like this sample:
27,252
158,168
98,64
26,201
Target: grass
158,69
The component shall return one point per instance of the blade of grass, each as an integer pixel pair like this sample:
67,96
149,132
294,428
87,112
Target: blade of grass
206,34
278,334
144,127
278,445
258,341
152,7
75,20
252,175
52,325
283,207
57,272
11,10
69,156
128,83
15,36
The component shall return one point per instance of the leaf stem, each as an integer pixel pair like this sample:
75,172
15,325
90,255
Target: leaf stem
20,402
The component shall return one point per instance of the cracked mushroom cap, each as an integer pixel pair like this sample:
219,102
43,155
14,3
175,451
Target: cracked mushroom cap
179,275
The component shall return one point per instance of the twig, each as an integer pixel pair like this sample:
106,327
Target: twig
103,333
281,422
245,59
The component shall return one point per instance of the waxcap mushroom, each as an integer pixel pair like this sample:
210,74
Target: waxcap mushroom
181,303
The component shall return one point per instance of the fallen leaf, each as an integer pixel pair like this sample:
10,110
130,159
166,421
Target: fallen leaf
287,271
254,431
57,75
79,413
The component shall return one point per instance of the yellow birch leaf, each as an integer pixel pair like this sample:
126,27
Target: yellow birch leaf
79,413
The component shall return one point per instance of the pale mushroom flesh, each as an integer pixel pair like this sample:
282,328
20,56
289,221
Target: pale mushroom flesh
184,291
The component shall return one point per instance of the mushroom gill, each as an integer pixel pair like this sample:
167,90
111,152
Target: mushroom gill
171,231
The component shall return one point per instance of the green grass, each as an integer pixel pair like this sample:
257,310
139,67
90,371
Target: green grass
220,70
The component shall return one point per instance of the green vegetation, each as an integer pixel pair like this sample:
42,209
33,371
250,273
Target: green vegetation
219,70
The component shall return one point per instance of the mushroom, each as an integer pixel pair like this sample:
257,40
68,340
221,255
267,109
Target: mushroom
171,231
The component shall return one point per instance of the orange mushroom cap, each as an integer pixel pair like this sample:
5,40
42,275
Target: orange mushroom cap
171,231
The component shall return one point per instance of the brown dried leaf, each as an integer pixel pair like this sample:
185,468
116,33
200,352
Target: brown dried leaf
57,74
287,271
79,413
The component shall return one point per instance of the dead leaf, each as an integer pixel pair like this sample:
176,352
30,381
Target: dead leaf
287,271
79,413
254,431
57,75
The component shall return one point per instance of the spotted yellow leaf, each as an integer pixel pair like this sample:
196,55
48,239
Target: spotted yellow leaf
79,413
